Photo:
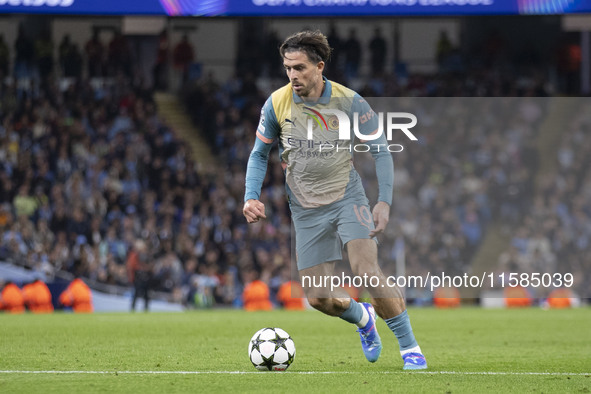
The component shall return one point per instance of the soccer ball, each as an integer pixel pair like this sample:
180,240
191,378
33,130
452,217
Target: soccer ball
271,349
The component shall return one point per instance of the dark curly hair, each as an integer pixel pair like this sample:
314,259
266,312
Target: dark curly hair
313,43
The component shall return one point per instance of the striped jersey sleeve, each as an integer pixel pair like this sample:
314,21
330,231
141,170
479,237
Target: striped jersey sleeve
368,119
268,128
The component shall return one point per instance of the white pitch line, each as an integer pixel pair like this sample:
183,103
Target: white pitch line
298,373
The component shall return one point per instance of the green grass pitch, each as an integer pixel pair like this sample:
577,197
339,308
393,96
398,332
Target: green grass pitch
468,350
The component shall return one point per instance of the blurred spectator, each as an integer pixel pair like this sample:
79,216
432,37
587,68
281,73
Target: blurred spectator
95,55
77,296
494,49
568,62
70,58
444,49
517,297
378,53
183,57
140,271
11,299
119,55
256,293
446,297
272,60
44,54
353,53
560,298
168,268
38,297
4,58
24,54
334,66
291,296
250,48
203,298
160,70
290,293
229,291
24,204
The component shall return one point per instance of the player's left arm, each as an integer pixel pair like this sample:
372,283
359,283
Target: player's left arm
267,130
368,125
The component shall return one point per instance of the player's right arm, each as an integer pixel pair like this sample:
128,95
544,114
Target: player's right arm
267,130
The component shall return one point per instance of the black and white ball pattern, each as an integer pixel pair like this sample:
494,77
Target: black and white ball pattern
271,349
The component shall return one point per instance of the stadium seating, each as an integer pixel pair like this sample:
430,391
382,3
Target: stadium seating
89,167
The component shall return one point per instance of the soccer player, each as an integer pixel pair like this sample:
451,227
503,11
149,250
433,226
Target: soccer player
327,201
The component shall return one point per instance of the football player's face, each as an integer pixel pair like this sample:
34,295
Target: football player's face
305,75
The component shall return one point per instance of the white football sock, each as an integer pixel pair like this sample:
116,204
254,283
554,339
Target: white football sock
364,319
416,349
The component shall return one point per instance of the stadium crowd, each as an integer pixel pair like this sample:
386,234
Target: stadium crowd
87,170
554,233
466,168
81,173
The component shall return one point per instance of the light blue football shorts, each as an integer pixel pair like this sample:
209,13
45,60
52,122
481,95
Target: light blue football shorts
321,233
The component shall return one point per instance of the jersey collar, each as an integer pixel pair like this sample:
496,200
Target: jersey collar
324,98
